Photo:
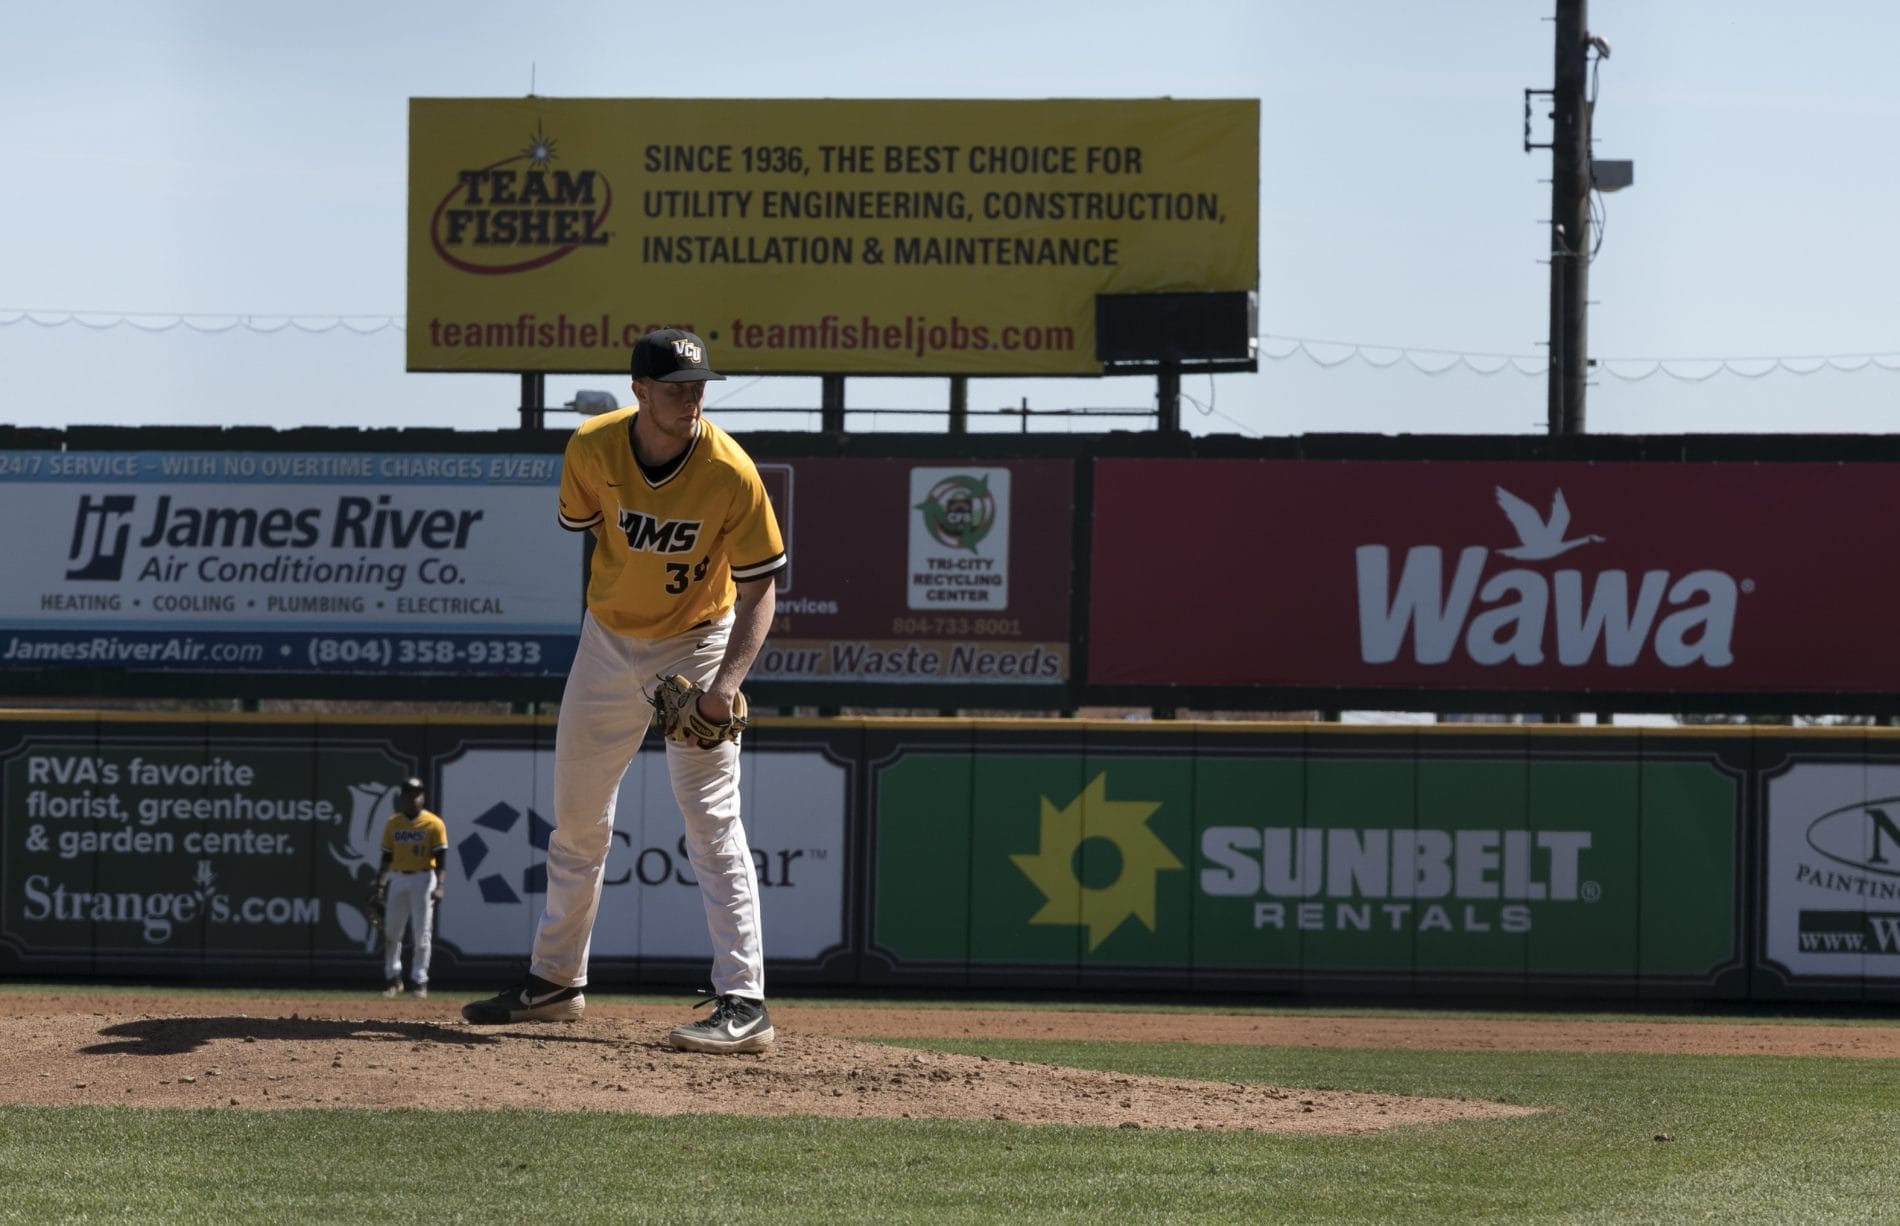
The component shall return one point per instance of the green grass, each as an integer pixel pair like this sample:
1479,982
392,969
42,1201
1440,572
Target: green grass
1755,1139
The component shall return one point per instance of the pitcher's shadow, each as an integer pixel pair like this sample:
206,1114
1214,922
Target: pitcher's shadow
171,1036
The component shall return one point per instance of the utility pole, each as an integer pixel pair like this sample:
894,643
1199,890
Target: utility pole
1569,219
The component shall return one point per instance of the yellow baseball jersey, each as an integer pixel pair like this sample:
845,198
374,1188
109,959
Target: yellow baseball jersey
413,842
669,551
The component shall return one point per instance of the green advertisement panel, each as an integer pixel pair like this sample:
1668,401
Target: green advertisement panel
161,847
1384,865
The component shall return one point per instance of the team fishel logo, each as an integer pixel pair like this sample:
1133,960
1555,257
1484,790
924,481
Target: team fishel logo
646,534
520,213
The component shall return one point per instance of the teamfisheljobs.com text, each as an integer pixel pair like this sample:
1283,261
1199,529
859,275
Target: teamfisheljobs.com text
917,335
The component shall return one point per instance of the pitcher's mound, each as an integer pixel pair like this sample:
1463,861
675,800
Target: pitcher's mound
420,1054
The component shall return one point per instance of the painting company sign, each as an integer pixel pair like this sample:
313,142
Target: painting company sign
1832,871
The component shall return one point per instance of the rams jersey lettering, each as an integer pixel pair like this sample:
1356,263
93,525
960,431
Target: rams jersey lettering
413,842
668,552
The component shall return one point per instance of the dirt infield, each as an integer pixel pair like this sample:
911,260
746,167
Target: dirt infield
155,1050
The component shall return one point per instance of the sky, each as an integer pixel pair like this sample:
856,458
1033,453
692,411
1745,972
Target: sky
176,167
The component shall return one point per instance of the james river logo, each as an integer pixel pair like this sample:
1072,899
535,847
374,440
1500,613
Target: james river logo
520,213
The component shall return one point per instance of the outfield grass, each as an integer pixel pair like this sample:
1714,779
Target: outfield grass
1754,1139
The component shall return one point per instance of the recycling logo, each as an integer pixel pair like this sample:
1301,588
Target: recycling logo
1101,906
959,511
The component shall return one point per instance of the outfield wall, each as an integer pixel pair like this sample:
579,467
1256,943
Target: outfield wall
994,572
1743,864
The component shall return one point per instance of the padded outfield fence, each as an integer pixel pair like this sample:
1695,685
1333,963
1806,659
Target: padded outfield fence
1551,862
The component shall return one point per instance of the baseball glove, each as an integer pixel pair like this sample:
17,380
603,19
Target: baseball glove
677,717
377,904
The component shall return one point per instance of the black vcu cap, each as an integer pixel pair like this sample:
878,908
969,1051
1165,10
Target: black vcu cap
672,355
412,785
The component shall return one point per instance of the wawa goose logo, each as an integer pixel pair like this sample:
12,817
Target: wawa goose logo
1506,616
520,213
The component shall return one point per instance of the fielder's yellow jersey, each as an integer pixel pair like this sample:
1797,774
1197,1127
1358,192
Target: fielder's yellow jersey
413,841
669,551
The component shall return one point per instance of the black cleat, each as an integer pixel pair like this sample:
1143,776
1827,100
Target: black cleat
736,1024
534,999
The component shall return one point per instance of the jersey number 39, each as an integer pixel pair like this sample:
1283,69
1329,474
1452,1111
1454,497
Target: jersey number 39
679,574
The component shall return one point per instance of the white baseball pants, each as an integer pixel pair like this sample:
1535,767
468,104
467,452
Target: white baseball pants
604,717
409,907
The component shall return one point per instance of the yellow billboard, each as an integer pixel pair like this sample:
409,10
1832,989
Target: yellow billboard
886,237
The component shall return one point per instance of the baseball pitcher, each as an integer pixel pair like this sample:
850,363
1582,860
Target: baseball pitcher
679,600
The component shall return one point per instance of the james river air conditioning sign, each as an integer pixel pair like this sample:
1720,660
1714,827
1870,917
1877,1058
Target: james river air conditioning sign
249,562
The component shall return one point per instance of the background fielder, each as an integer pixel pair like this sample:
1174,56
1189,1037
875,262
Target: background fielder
681,581
415,854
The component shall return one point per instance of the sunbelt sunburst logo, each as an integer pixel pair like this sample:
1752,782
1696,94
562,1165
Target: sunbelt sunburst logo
1032,859
1104,890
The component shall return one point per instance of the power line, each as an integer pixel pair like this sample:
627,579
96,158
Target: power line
206,322
1321,352
1333,353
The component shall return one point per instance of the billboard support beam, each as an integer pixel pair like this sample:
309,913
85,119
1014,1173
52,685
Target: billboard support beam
534,399
1168,398
831,404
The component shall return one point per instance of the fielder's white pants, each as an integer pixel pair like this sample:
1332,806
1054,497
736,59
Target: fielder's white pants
604,717
409,907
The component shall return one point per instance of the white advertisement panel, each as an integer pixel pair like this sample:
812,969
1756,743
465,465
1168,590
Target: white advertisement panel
277,562
959,539
1832,876
500,804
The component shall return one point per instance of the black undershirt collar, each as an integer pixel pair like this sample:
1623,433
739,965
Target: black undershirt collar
658,473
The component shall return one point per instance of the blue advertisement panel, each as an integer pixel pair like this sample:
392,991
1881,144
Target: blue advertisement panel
291,562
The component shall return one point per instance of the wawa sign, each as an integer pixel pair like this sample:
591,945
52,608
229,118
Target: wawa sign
1613,577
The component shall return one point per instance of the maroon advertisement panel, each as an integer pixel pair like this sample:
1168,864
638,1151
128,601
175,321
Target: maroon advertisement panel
1620,577
907,571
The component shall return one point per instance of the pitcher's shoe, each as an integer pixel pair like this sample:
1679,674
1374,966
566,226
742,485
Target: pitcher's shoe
392,989
736,1024
534,999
